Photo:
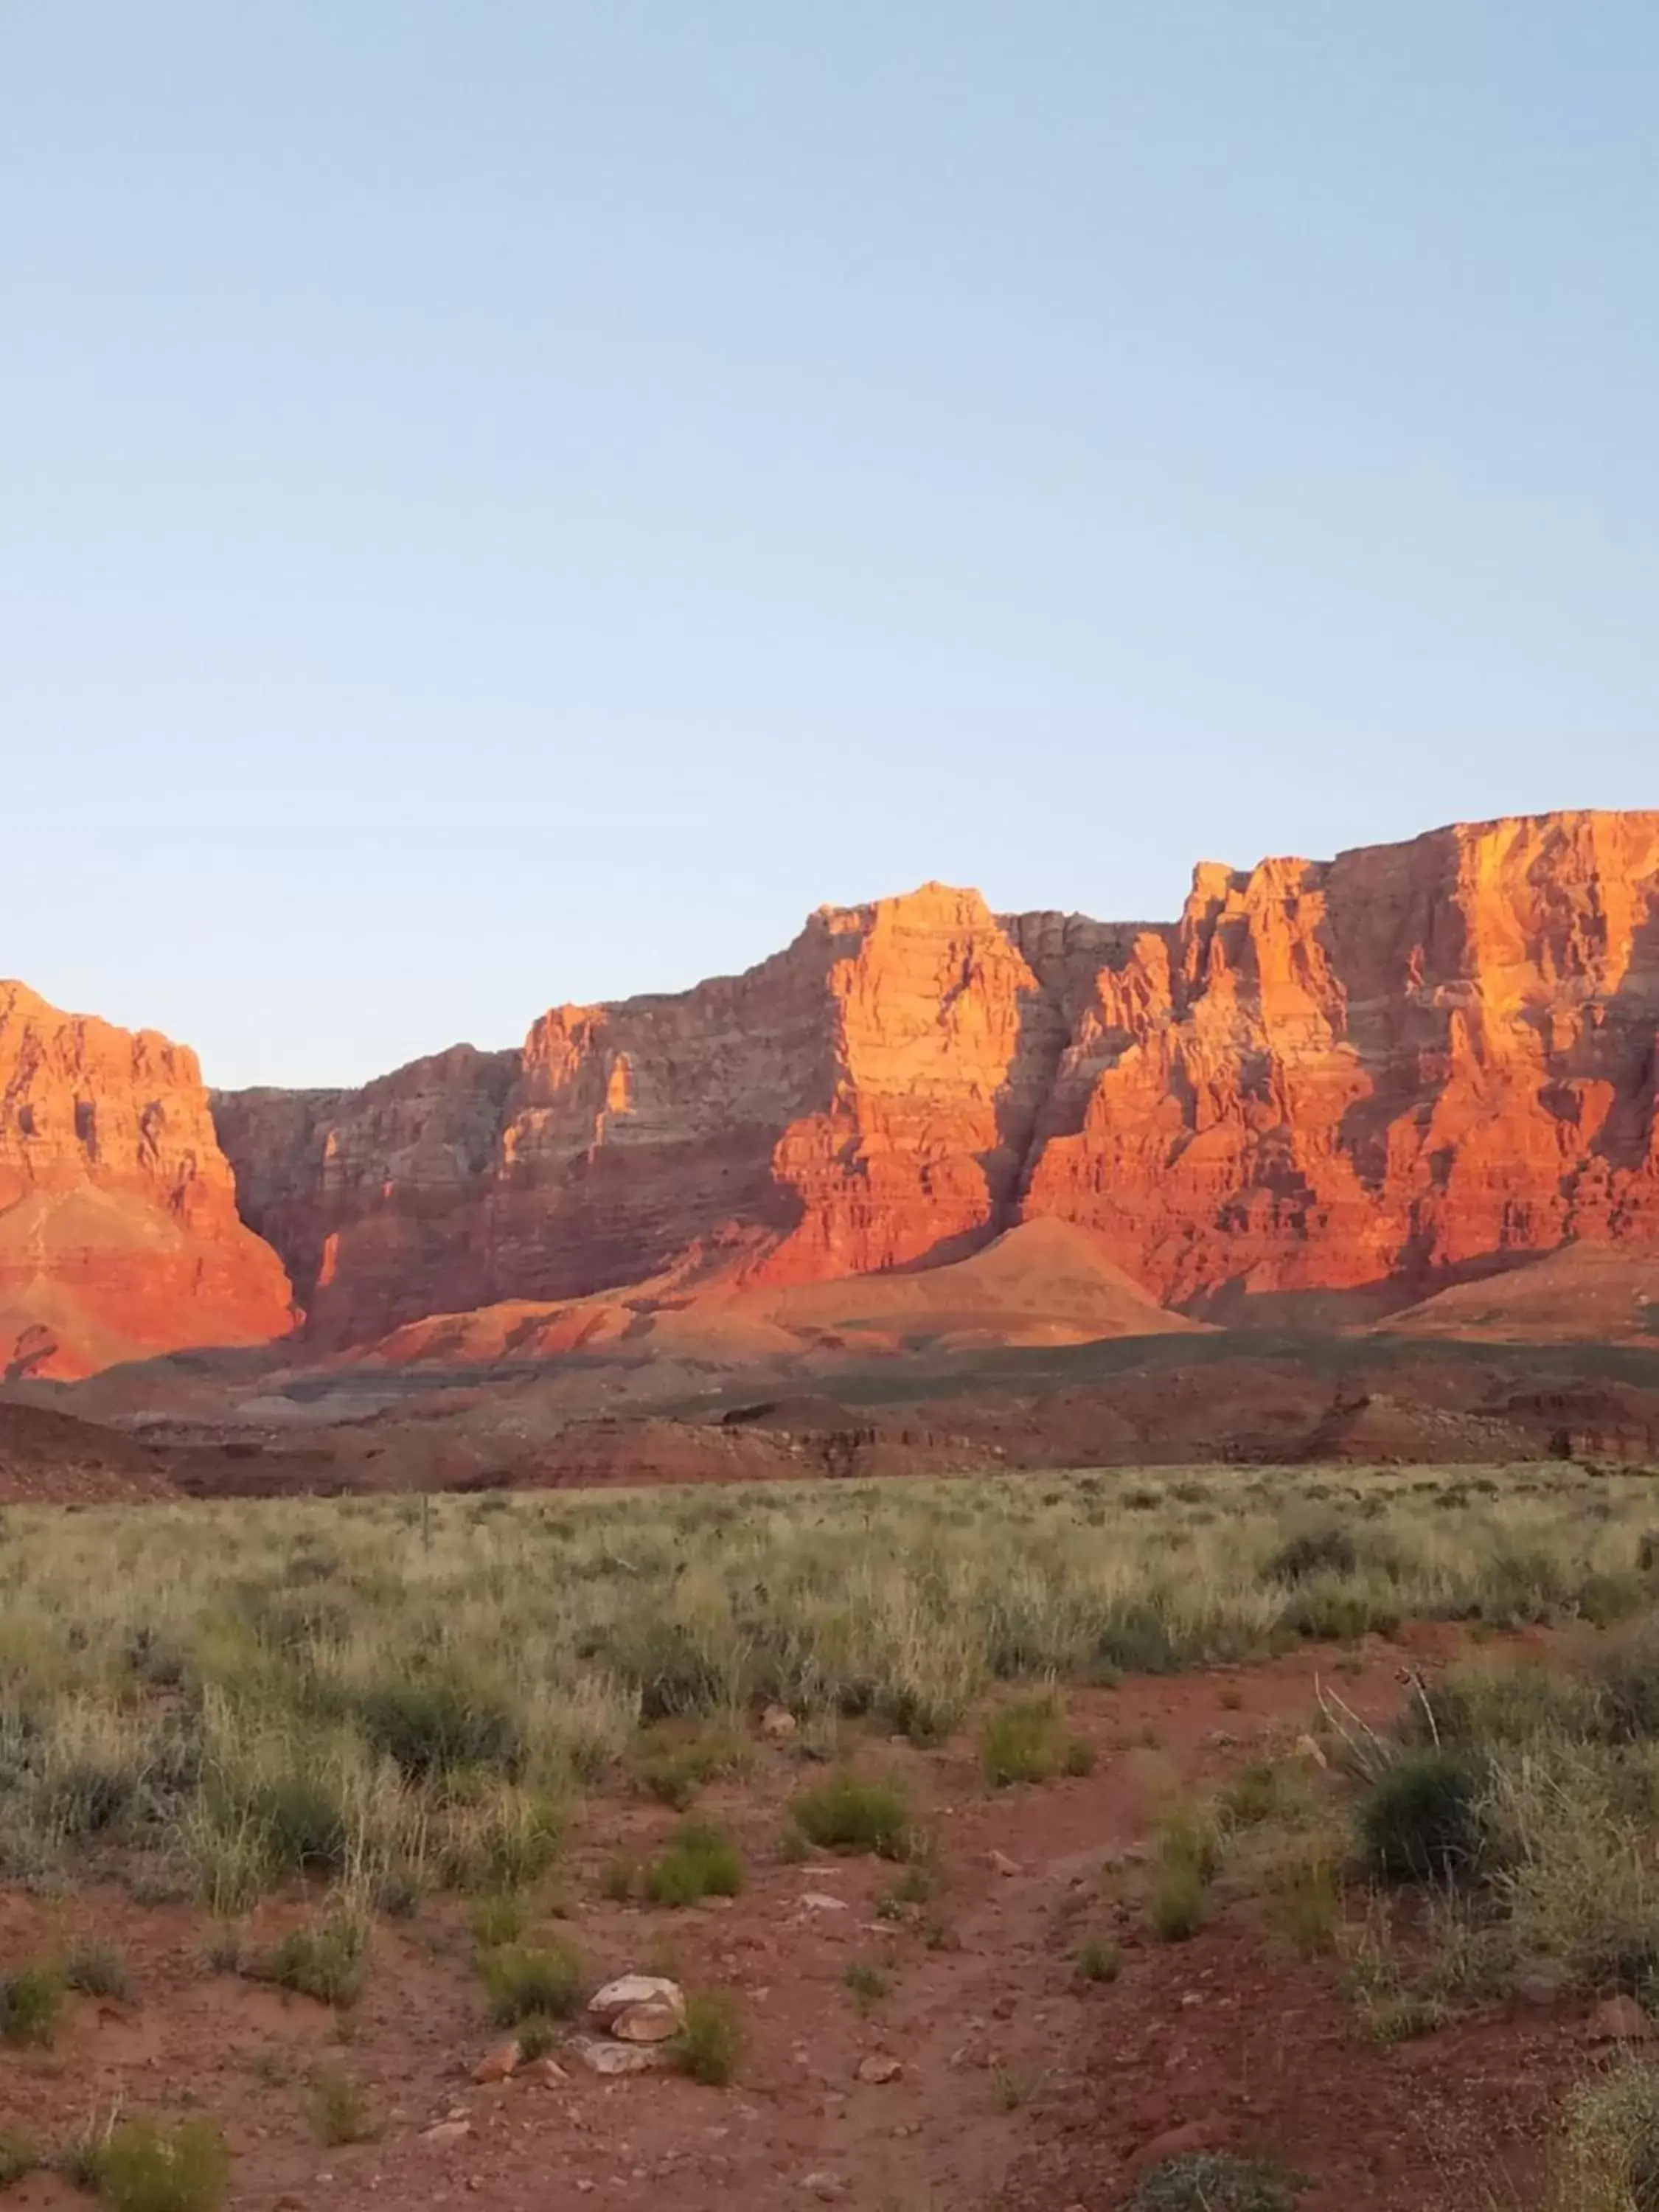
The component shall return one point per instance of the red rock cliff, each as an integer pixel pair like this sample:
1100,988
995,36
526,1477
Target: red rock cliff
118,1230
1369,1072
864,1099
1382,1067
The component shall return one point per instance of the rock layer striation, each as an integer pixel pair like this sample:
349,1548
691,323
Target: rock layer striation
1364,1079
119,1236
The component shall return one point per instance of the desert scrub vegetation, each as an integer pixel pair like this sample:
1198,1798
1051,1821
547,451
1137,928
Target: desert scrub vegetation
702,1861
1503,1836
400,1695
139,2165
709,2047
526,1983
848,1813
30,2002
19,2157
1215,2181
1609,2159
339,2110
1027,1741
327,1961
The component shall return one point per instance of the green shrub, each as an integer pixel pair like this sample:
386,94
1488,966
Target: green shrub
140,2167
617,1881
1016,2087
398,1893
914,1887
1258,1793
223,1952
339,2108
497,1920
77,2162
303,1824
520,1983
1332,1614
1099,1960
1608,2160
1519,1588
431,1725
18,2157
710,2044
671,1781
535,2035
1624,1675
868,1983
1420,1820
89,1799
1179,1899
1326,1550
1403,2017
1187,1852
1303,1902
1021,1743
1214,2181
97,1970
844,1813
674,1675
700,1862
1604,1600
1482,1708
30,2002
326,1962
673,1770
521,1839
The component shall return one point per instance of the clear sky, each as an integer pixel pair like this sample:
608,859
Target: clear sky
510,502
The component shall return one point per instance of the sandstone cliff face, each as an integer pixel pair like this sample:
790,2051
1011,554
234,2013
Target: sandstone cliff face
118,1230
1368,1073
1381,1068
864,1099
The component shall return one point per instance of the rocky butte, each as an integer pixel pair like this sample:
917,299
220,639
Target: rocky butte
1368,1077
1326,1090
119,1232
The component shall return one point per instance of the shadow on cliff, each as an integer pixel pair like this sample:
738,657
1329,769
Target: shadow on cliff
1624,1139
1043,1031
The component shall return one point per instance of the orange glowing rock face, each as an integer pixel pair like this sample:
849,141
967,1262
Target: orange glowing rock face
1351,1081
1361,1075
118,1230
1383,1068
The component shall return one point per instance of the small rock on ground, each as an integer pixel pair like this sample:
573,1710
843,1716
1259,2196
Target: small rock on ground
647,2023
607,2006
499,2064
600,2056
1619,2019
876,2066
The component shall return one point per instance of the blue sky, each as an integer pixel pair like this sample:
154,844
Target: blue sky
516,503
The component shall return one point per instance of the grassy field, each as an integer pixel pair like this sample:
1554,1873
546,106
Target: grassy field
410,1693
389,1698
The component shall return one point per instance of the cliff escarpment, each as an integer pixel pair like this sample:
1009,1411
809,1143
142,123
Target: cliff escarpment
1376,1074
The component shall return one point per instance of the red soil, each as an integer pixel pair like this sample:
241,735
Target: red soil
1220,2041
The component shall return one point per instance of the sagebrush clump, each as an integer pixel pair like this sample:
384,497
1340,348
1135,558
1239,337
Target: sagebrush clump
525,1982
847,1812
141,2166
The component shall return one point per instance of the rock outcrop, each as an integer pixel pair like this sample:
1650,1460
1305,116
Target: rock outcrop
1333,1088
1377,1071
119,1236
866,1099
1373,1076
